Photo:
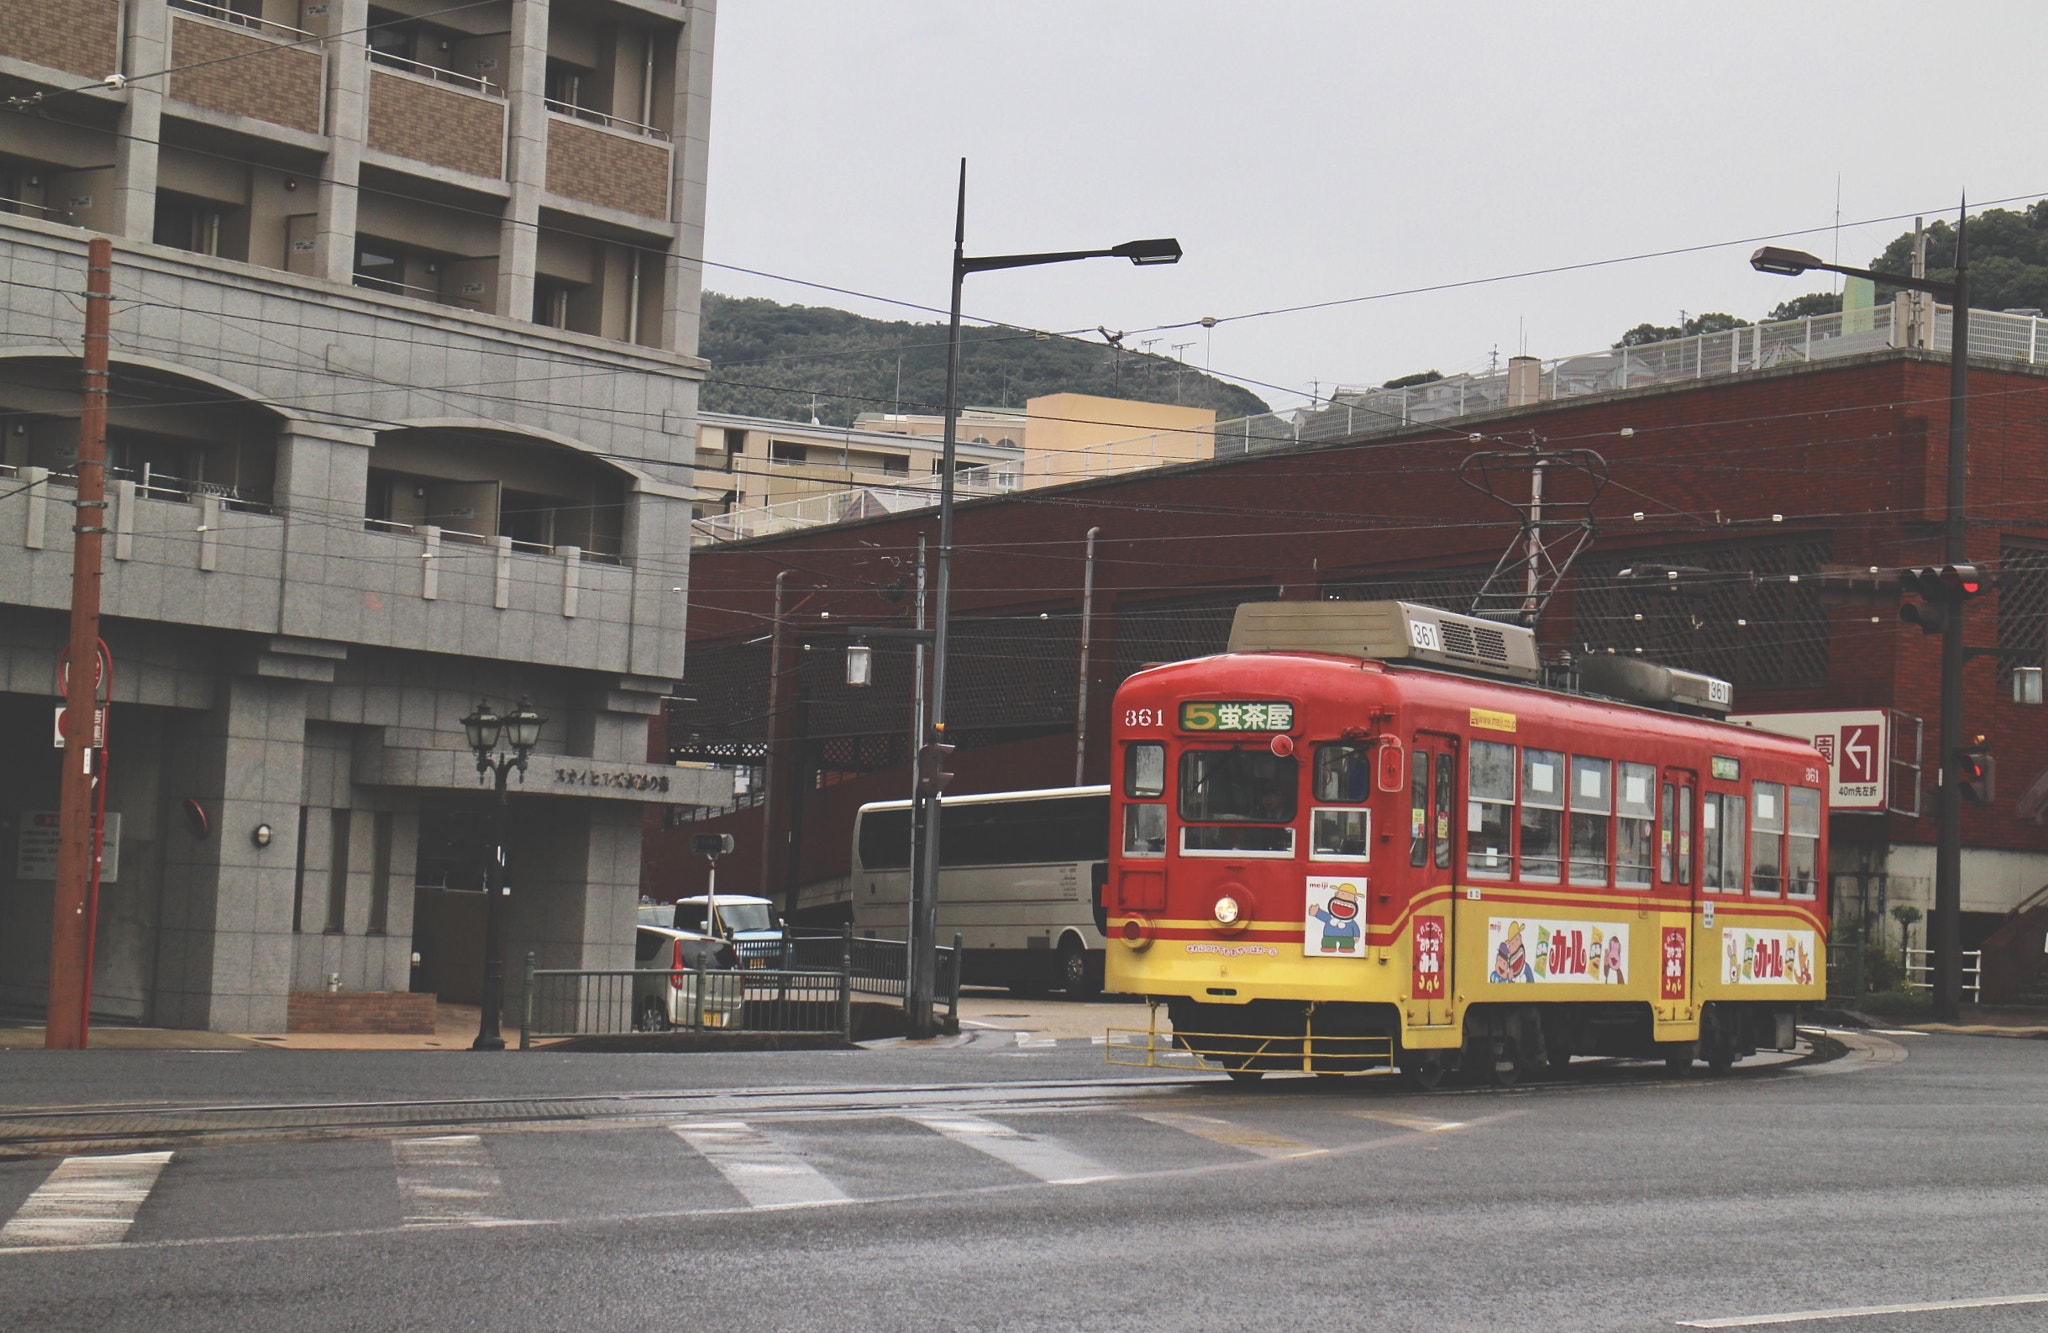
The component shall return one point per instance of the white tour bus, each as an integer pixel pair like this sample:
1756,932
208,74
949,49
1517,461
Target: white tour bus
1020,881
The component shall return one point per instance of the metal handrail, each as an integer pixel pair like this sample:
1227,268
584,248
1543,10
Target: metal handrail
221,14
606,119
434,72
1972,972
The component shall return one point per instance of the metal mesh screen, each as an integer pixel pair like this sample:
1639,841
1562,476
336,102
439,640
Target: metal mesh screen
721,714
1743,620
1447,589
2022,604
1176,628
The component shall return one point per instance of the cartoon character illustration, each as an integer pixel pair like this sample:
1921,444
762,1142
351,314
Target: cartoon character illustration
1611,965
1734,959
1511,959
1340,920
1805,965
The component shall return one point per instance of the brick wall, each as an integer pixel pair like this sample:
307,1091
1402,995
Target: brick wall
78,36
264,81
414,118
360,1011
602,167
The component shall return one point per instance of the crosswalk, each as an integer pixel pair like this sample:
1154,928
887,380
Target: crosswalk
709,1164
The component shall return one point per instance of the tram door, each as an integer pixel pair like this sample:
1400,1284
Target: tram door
1678,876
1433,780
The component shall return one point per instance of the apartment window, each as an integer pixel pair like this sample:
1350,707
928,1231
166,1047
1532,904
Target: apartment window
784,451
735,446
551,302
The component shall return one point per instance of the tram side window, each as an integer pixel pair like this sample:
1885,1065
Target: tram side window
1418,809
1767,841
1592,801
1145,829
1722,835
1666,842
1803,843
1543,779
1635,817
1490,810
1446,797
1145,769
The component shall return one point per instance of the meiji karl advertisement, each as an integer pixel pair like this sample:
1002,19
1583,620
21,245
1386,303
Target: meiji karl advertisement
1528,949
1335,924
1766,957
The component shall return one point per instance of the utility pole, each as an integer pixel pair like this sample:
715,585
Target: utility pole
768,765
1945,937
70,976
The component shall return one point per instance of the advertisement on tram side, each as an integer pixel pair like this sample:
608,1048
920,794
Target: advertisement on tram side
1530,949
1751,957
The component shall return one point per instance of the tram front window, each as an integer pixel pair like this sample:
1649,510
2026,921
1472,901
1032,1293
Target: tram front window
1237,787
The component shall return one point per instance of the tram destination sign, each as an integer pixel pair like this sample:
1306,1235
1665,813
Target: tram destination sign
1235,715
1855,742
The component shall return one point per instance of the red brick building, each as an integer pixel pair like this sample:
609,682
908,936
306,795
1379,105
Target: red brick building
1754,478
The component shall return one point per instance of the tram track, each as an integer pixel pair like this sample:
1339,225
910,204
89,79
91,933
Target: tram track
128,1126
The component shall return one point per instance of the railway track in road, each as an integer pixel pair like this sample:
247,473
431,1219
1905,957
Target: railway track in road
116,1127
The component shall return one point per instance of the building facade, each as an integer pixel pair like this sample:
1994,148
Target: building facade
1751,478
403,414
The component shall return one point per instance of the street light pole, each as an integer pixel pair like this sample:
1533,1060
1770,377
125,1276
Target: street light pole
921,980
1945,926
483,728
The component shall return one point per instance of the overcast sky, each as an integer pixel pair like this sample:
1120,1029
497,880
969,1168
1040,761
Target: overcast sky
1309,150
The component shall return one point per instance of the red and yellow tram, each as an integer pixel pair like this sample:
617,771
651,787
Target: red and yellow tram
1365,837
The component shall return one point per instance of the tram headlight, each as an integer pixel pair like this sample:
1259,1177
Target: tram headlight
1226,911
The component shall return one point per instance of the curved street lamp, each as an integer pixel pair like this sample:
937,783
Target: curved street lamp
922,980
1945,935
484,729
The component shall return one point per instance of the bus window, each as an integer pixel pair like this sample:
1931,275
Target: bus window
1592,801
884,840
1542,814
1634,823
1418,809
1340,835
1343,774
1145,829
1803,858
1446,796
1145,769
1767,841
1490,793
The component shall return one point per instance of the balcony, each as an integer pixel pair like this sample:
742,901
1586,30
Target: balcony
602,164
228,62
428,114
77,36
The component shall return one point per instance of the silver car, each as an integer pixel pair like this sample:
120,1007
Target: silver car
669,999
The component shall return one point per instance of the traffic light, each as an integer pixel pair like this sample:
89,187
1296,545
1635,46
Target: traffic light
1942,589
932,776
1977,775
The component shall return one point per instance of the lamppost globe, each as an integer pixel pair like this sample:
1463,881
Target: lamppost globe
482,726
523,728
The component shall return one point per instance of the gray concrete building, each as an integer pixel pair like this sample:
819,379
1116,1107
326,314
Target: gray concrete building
403,414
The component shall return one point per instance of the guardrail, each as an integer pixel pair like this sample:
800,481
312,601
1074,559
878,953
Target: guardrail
811,993
1920,974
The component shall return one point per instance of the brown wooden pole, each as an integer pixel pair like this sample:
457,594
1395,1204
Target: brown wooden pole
70,974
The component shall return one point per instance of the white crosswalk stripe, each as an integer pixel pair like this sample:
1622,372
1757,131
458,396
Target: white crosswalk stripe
1046,1159
765,1173
1255,1141
86,1201
447,1180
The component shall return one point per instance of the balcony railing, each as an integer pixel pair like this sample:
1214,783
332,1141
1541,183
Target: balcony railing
254,22
439,75
607,120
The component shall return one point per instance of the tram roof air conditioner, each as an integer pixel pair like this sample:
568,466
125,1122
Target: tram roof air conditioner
1388,631
1632,680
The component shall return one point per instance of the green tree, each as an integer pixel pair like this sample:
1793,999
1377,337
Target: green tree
792,361
1813,303
1410,381
2008,258
1711,322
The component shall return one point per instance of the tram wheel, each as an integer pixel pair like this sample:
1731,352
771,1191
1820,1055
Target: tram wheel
1679,1062
1246,1075
1720,1058
1423,1074
1502,1073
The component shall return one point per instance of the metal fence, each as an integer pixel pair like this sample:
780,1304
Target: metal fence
1847,971
811,992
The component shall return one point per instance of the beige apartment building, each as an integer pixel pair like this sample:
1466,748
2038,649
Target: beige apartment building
1073,436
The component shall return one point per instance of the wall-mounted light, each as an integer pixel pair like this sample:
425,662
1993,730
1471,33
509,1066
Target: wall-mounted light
2026,685
260,835
860,664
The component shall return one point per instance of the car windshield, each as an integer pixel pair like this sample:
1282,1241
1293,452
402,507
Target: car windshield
733,915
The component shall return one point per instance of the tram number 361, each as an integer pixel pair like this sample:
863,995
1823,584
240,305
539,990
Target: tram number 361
1144,717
